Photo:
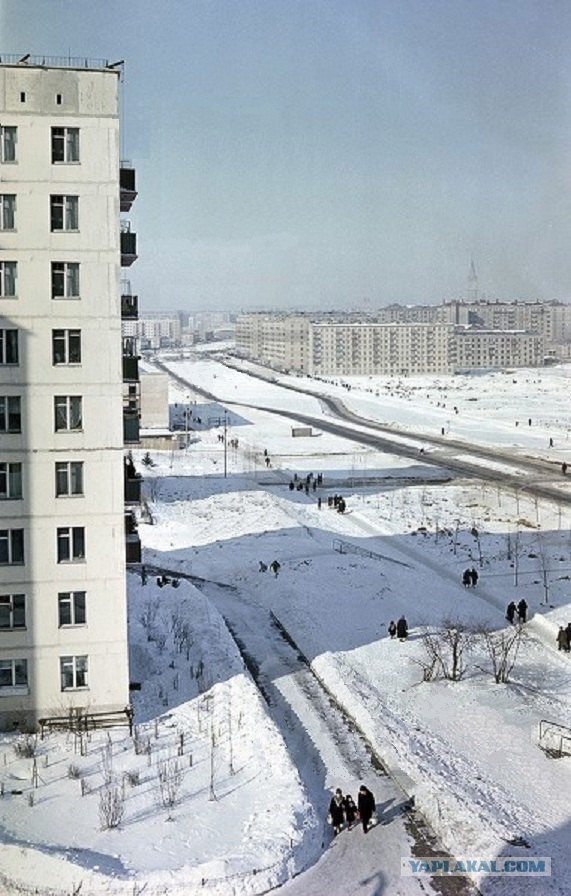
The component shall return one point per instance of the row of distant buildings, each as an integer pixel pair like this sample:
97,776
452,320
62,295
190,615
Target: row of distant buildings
403,340
179,329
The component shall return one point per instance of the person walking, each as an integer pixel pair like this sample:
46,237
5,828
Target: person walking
392,629
366,806
337,811
511,611
350,811
263,566
466,578
275,567
568,630
473,577
562,640
402,629
522,610
319,503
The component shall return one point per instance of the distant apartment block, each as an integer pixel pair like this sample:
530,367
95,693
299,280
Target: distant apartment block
63,629
436,340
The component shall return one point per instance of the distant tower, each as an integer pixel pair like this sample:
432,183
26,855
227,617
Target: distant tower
472,283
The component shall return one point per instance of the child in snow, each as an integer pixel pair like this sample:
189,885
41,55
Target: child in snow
350,811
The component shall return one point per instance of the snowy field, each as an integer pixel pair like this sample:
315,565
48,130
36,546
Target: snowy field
212,800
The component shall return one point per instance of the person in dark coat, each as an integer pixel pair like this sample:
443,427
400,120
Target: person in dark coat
366,806
473,577
522,610
562,642
275,567
511,611
466,578
392,629
337,811
568,630
350,811
402,629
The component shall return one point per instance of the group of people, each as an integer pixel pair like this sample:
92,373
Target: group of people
470,578
519,610
343,810
398,629
338,502
274,567
564,638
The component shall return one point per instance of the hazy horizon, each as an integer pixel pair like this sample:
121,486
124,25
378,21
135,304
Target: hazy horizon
326,155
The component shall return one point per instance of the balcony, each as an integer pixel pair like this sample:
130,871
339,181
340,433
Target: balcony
132,540
128,245
129,302
130,368
133,490
131,434
127,187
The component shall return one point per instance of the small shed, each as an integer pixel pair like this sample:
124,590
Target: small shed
301,431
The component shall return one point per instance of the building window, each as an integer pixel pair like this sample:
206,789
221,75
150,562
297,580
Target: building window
65,144
8,141
66,347
8,212
68,414
8,347
69,478
65,280
70,544
58,99
11,547
10,480
12,611
64,212
13,674
10,413
73,672
8,275
71,608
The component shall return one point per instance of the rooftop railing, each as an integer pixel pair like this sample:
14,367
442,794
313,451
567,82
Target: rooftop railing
54,61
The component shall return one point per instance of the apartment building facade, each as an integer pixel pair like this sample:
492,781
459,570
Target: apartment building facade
63,637
338,345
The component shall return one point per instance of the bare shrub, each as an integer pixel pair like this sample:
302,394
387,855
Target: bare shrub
170,775
133,777
445,648
107,763
26,747
73,771
111,806
141,742
503,648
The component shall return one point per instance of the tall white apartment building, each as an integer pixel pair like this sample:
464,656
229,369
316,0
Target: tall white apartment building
63,637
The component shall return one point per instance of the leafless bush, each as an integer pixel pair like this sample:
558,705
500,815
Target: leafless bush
26,747
170,776
73,771
111,806
445,648
107,763
503,648
133,777
148,617
142,743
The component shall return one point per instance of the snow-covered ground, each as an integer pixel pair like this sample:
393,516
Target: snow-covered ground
245,816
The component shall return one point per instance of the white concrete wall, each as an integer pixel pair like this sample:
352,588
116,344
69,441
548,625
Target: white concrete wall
89,102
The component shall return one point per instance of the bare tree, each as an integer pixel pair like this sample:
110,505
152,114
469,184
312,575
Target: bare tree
170,775
445,648
503,648
111,805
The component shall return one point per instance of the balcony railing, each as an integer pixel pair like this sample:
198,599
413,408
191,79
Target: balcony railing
129,307
127,184
131,433
130,369
132,549
128,245
133,490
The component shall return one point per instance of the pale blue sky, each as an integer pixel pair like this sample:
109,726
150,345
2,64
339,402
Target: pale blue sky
320,154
